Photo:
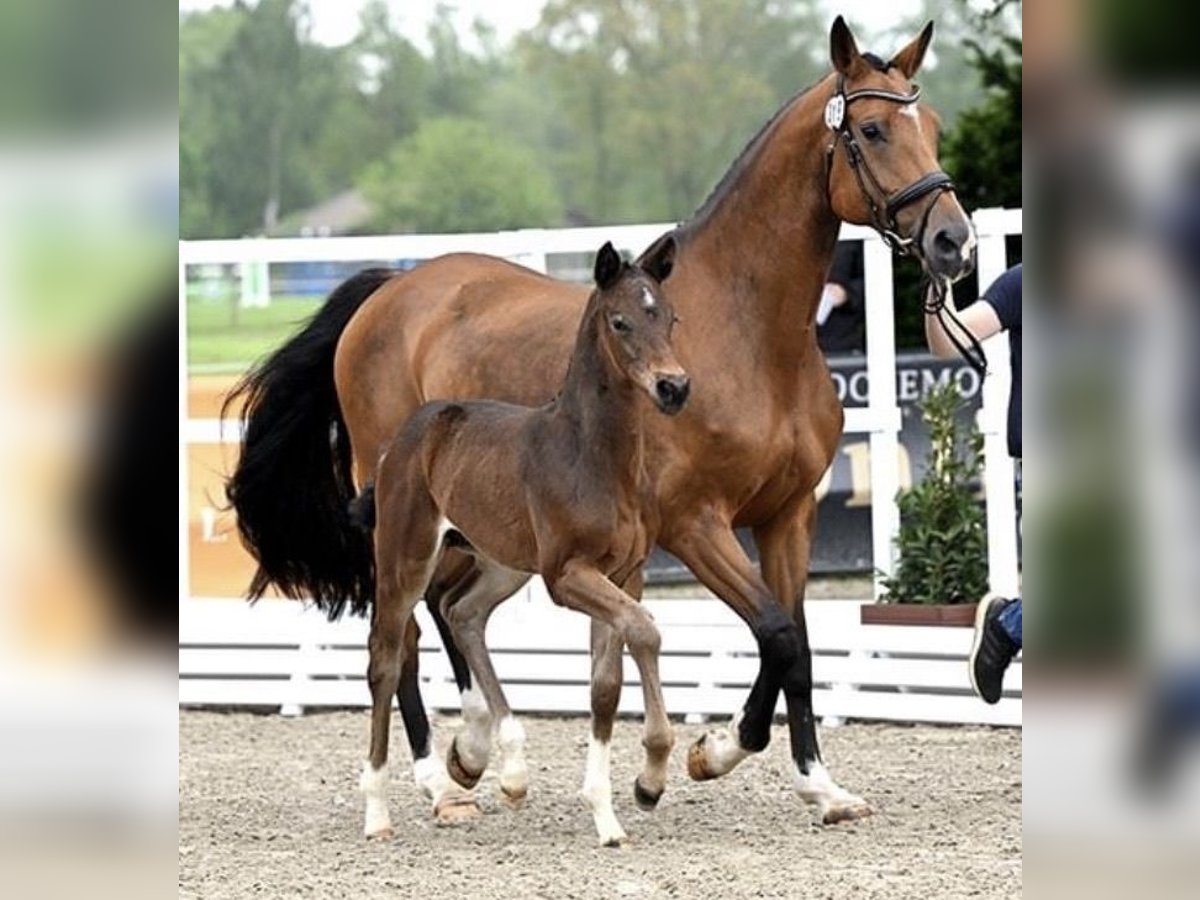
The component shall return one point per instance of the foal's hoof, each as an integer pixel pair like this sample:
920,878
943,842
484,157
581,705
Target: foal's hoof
455,808
646,800
514,797
697,761
462,776
381,834
849,809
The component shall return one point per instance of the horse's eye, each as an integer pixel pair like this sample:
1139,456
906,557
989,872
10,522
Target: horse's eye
620,325
871,131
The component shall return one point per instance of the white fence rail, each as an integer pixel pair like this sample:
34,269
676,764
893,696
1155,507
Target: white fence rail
279,655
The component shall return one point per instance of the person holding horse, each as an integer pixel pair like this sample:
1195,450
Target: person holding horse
997,638
562,490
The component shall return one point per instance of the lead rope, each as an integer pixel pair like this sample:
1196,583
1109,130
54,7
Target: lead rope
972,351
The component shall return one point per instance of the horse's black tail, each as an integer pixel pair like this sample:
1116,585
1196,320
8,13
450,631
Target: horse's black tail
293,481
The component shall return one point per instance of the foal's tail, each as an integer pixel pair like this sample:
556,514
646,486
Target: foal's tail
293,480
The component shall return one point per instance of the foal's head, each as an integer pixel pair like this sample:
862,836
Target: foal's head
634,322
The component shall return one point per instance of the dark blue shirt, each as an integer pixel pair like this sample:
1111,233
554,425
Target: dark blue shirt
1004,296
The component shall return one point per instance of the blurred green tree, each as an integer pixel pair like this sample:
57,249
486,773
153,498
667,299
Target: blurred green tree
456,175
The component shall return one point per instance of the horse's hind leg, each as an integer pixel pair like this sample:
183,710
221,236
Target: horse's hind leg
468,615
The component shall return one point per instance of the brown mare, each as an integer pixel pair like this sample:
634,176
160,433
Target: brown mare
561,490
761,427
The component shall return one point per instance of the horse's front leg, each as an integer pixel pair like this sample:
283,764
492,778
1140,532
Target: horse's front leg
582,587
784,545
484,702
709,548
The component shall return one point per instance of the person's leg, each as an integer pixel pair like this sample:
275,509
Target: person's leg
1009,619
996,641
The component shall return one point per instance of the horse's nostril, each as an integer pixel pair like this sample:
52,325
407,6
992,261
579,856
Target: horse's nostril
672,391
944,243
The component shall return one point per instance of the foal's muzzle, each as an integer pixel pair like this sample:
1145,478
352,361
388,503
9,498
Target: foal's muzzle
671,392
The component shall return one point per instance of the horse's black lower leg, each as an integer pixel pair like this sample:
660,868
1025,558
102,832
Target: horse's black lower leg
462,672
412,707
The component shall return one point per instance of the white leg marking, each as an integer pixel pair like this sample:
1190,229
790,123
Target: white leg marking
474,742
514,776
818,789
431,777
373,784
597,793
723,749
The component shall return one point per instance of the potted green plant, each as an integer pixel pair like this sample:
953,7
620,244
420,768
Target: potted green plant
942,565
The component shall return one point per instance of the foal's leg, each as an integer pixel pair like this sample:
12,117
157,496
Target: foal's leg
607,678
405,552
784,544
583,588
469,752
710,549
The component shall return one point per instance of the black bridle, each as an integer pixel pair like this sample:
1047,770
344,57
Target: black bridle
884,206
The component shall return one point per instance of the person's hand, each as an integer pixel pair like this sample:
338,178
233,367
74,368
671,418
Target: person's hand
833,296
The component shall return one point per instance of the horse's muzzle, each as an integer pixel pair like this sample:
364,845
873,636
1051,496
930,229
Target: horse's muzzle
671,392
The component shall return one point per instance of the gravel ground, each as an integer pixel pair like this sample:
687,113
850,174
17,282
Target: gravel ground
269,807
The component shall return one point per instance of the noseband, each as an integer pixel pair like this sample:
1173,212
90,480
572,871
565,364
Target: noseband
883,219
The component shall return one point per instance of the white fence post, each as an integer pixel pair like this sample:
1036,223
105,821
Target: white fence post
881,405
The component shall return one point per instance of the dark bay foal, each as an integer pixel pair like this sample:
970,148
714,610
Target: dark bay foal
562,491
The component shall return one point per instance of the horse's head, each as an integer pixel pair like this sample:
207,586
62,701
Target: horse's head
883,167
635,322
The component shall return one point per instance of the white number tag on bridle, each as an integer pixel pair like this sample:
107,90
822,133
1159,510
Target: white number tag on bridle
835,111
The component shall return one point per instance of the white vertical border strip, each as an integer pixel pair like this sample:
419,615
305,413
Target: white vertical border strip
881,403
992,226
184,537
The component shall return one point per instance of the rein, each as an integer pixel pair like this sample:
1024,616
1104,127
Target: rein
935,304
883,220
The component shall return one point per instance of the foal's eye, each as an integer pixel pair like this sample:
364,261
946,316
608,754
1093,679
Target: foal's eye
620,325
871,131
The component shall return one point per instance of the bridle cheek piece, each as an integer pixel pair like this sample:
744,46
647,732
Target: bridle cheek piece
883,219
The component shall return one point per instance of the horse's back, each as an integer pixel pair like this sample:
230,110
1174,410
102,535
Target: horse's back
461,326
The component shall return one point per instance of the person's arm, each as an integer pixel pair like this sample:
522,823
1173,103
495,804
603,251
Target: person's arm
980,318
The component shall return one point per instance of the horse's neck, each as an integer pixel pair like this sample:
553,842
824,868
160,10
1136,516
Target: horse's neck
600,409
767,239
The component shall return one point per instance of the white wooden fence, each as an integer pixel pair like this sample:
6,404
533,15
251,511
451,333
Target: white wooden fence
279,655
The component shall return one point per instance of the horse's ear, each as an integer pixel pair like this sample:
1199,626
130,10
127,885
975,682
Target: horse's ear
659,258
608,266
909,59
843,51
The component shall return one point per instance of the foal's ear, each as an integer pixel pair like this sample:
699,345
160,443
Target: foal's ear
843,51
659,258
909,59
608,266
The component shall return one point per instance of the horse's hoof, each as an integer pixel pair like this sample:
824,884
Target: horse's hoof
460,773
646,800
381,834
849,810
456,808
697,762
615,840
513,797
